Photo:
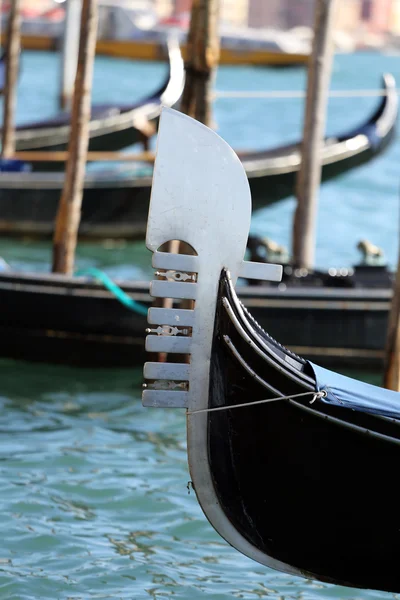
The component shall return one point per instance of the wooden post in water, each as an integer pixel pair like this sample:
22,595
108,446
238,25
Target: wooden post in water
69,211
13,41
201,61
309,176
69,51
391,376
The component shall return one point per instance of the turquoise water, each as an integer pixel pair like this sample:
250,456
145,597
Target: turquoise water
94,499
95,503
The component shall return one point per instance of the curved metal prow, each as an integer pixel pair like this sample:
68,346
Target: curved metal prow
200,195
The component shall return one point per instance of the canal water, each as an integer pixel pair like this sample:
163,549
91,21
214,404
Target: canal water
94,498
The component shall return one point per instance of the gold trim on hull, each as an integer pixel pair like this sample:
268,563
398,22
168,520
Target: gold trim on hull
154,51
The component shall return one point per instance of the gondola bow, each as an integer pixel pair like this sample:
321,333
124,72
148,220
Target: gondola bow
293,465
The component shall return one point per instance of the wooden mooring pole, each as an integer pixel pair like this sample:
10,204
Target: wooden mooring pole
200,65
202,59
309,176
391,375
12,49
69,52
69,211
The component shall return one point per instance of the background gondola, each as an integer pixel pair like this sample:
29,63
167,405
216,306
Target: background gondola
115,202
112,126
75,320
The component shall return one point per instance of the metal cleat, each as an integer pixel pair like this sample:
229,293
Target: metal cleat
167,330
166,385
176,275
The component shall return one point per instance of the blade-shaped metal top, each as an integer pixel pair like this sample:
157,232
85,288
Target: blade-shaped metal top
200,193
201,196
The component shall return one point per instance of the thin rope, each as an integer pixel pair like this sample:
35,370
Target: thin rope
315,396
112,287
277,94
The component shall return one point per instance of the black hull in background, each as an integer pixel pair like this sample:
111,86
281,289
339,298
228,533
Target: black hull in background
76,321
111,127
116,208
111,208
71,321
273,187
116,203
338,328
272,173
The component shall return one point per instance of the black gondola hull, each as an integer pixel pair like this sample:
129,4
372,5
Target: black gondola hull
309,491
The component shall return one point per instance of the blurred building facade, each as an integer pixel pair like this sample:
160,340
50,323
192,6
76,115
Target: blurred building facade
376,14
348,15
233,12
264,14
357,16
164,8
395,19
367,22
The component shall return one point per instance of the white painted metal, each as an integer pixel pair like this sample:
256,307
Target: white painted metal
69,51
161,343
173,289
266,271
200,195
171,316
180,262
165,399
173,371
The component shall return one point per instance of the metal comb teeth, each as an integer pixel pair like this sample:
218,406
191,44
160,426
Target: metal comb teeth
166,385
170,381
168,330
201,196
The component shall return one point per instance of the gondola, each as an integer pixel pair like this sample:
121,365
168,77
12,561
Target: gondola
77,321
272,172
115,202
73,321
291,463
112,126
317,458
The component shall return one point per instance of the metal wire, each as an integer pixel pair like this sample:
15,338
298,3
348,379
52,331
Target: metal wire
315,396
277,94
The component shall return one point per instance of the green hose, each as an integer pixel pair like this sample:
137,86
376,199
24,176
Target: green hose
112,287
